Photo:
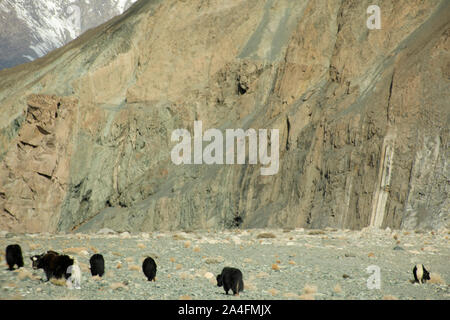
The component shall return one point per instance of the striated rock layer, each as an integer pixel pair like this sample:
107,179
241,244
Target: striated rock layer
85,132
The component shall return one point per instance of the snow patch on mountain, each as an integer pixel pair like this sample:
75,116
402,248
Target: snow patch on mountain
38,27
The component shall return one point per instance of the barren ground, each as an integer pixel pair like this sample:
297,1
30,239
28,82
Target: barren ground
276,264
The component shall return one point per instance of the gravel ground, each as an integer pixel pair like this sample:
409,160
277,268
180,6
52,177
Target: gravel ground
276,264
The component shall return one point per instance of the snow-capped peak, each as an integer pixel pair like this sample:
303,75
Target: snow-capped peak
34,28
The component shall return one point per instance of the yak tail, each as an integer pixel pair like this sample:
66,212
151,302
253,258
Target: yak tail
240,286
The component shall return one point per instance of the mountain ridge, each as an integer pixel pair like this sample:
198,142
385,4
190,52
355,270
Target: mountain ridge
359,145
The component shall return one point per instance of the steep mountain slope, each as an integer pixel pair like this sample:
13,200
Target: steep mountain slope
85,132
31,29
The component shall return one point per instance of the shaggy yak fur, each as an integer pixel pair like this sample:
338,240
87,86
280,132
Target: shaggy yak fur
54,264
97,265
149,268
231,278
14,256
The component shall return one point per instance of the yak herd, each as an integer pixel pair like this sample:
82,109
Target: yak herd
61,266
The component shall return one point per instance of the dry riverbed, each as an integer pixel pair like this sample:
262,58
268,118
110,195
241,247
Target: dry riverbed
277,264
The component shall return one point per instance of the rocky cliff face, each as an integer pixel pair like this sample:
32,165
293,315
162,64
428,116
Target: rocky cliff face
363,116
30,29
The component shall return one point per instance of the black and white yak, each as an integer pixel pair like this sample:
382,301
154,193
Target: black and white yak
421,275
58,266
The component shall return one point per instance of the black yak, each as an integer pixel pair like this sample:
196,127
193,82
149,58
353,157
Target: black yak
14,256
231,278
97,265
149,268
